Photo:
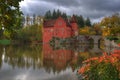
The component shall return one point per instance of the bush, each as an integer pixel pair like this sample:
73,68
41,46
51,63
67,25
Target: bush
29,34
112,38
5,42
118,41
103,71
106,67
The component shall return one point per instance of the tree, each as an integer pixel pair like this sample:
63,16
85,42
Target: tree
58,13
27,20
80,21
34,19
112,22
48,15
64,15
10,17
84,31
23,21
97,29
30,34
88,22
54,15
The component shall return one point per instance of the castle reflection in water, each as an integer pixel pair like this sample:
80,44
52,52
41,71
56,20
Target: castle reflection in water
58,59
44,56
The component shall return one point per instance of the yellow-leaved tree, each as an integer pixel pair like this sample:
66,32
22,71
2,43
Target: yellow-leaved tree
111,24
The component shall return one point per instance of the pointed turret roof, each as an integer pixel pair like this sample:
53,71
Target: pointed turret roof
73,19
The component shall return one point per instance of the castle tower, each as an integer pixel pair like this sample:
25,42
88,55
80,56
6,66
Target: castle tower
74,25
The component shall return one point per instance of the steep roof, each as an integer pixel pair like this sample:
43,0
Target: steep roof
73,19
49,23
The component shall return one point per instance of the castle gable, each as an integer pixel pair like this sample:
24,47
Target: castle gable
60,23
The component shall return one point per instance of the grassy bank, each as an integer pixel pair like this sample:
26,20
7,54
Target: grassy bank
115,38
5,42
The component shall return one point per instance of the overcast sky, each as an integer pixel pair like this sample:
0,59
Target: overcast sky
94,9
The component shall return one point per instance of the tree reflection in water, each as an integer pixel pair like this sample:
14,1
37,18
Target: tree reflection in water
44,56
1,52
23,56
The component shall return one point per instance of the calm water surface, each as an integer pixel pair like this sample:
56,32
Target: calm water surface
42,62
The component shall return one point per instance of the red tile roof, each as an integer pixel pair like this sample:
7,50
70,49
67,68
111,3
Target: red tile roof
49,23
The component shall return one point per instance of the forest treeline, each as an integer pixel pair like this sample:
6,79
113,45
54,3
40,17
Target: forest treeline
81,21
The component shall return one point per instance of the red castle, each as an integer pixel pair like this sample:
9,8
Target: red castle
59,28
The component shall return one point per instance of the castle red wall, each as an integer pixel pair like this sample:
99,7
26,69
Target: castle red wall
47,34
75,29
60,29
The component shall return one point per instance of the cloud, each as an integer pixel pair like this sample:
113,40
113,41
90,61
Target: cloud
95,9
65,3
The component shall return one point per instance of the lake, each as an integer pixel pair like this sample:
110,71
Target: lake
43,62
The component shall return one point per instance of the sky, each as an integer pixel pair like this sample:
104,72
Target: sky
94,9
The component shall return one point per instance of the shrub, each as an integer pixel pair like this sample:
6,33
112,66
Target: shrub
112,38
106,67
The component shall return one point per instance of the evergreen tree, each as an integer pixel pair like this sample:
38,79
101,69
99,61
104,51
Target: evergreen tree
54,15
48,15
80,21
88,22
64,15
58,13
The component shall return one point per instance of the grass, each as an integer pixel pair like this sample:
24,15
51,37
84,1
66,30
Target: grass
113,38
118,41
5,42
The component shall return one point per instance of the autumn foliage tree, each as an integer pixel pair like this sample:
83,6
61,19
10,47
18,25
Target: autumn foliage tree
112,22
10,17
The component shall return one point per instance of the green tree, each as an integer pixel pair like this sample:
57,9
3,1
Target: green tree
64,15
30,34
58,13
10,17
80,21
48,15
54,15
88,22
